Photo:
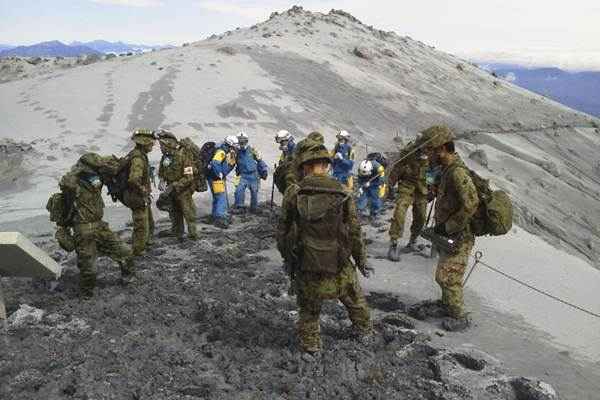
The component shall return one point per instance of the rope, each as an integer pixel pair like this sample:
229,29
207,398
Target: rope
479,256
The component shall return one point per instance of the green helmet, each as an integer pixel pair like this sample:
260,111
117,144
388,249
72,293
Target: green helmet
163,134
435,136
316,137
143,136
312,152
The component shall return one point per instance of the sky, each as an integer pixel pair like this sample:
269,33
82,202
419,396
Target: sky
536,32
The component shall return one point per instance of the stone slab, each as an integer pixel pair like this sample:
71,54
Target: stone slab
19,257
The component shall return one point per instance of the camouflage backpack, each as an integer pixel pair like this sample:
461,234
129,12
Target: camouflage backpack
494,215
197,155
60,208
323,233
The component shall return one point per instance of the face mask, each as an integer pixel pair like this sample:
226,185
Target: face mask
283,146
167,161
94,181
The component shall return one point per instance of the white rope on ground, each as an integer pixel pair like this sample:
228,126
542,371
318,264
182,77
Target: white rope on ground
479,256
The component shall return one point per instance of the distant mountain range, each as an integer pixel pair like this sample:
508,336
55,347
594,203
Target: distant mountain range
578,90
104,46
56,48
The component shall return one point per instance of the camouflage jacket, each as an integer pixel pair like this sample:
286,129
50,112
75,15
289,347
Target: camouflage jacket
88,206
410,173
298,233
178,170
457,199
139,175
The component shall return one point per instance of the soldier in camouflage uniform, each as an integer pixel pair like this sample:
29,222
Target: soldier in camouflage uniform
86,232
410,174
293,175
177,174
287,145
456,203
139,190
330,235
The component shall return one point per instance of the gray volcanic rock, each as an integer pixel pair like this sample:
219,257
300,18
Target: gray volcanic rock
212,319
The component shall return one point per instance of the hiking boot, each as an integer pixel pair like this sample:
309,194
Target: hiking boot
238,210
393,252
456,324
128,279
312,350
166,233
222,223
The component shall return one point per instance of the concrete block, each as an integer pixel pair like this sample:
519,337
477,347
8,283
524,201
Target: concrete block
21,258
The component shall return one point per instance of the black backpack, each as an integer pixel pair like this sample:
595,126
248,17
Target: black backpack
380,158
207,152
118,185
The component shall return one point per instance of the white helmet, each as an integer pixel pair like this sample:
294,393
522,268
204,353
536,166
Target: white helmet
282,135
365,168
343,135
231,141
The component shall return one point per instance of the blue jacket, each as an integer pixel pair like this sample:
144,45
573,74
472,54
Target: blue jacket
343,168
377,176
250,164
218,164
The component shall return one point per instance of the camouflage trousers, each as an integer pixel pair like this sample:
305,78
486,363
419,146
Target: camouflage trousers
449,275
183,208
313,289
406,198
143,229
94,239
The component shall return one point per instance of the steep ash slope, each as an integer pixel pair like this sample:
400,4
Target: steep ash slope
302,71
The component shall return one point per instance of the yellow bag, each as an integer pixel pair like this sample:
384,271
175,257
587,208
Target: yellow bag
382,191
218,186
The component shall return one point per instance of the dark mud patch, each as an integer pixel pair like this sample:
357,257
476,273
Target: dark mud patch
387,302
13,166
148,110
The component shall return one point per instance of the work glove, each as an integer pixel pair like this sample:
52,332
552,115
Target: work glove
231,158
367,185
365,270
361,191
339,156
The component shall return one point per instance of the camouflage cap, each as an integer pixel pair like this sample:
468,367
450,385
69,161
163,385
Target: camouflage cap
164,134
312,152
143,136
435,136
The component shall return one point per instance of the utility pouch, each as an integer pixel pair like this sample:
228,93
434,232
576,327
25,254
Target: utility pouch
218,186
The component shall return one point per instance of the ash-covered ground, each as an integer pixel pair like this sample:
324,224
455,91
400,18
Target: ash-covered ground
212,320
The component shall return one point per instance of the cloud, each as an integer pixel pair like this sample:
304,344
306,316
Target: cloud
131,3
250,12
571,60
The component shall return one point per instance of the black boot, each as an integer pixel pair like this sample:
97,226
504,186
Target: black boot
393,252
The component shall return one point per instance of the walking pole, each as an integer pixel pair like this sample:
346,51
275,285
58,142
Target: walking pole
273,185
